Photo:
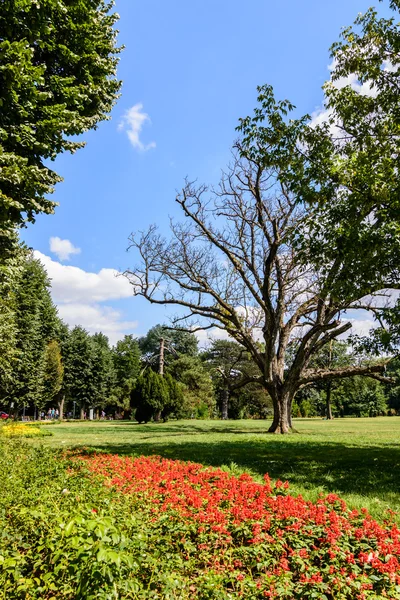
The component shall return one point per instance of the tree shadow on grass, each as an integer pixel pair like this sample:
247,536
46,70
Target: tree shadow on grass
370,471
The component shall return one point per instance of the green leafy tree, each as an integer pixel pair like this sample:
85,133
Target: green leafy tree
11,270
228,362
126,361
53,373
174,405
393,393
319,397
361,397
57,80
102,370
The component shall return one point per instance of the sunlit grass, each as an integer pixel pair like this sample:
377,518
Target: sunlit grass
357,458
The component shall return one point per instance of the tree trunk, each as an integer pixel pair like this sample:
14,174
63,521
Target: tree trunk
225,401
282,422
61,407
157,416
328,401
82,413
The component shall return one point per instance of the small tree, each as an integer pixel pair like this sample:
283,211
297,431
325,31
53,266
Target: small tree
150,396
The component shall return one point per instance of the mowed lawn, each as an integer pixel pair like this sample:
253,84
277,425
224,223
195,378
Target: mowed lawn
357,458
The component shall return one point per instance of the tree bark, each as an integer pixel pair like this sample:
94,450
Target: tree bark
328,401
225,401
282,422
61,407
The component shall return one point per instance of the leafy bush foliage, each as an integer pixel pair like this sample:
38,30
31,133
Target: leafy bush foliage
173,530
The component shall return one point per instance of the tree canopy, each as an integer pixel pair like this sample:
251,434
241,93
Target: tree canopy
57,80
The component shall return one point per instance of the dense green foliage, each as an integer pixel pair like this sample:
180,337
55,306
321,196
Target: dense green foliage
46,365
57,80
67,535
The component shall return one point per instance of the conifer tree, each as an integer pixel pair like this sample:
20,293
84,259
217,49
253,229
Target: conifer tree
149,396
78,365
36,325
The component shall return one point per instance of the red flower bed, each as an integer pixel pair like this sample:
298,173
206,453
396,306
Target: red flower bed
258,540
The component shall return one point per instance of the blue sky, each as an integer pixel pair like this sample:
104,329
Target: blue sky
194,67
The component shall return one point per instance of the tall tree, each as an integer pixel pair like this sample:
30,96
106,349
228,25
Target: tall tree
102,370
36,322
266,254
57,80
126,361
11,270
79,381
198,393
53,373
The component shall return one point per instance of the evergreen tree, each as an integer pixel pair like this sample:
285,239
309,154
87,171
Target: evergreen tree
36,325
10,274
150,396
78,369
174,405
199,398
177,342
227,361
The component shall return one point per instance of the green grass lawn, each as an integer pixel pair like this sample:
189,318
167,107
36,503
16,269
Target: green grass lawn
357,458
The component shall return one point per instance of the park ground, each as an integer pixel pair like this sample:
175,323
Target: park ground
357,458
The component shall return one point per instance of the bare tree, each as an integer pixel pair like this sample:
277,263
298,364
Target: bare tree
232,264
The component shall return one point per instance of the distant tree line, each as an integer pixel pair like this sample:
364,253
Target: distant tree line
45,364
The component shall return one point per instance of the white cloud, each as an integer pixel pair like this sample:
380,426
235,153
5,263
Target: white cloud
132,122
71,284
79,295
360,327
94,318
206,336
63,249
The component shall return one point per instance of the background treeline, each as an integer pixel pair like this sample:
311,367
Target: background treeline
44,364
